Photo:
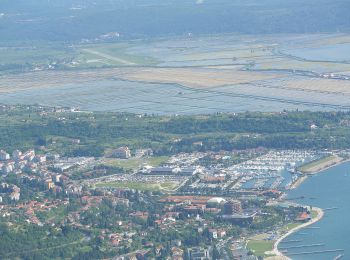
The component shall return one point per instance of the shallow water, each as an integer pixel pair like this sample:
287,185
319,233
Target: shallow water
336,52
139,97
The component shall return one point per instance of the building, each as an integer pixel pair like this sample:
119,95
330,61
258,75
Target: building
143,153
177,253
213,233
303,217
162,171
189,171
213,202
173,171
7,168
4,156
122,153
40,158
199,253
17,155
29,155
49,184
233,207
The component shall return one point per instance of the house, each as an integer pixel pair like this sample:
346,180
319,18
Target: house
16,155
29,155
122,153
199,253
4,156
49,184
177,253
40,158
143,153
213,233
15,195
8,168
303,217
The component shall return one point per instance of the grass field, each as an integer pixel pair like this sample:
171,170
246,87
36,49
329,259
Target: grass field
318,165
260,247
136,163
130,164
292,225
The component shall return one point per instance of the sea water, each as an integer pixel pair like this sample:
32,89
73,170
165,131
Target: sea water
329,190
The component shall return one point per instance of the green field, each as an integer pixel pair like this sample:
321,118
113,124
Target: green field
291,226
136,163
307,167
22,57
260,247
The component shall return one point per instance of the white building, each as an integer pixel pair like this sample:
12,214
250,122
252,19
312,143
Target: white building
29,155
122,153
4,156
16,155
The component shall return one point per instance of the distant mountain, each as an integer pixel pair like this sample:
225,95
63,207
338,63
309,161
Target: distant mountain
77,19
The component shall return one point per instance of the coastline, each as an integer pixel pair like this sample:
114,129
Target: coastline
304,177
280,255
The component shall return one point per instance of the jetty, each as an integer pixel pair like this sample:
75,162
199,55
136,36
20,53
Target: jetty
317,252
301,246
290,241
333,208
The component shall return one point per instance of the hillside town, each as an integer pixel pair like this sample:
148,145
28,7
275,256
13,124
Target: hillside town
212,202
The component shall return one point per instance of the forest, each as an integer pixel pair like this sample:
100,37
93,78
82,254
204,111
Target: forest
22,128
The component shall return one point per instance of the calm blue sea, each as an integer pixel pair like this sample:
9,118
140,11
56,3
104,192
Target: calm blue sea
329,189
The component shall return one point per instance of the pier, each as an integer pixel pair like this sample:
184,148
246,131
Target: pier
312,228
333,208
290,241
301,246
317,252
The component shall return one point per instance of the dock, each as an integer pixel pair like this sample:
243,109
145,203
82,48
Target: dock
317,252
290,241
301,246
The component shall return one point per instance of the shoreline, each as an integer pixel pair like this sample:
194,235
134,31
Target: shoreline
320,213
305,176
276,252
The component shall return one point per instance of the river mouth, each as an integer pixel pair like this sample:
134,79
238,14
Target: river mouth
328,238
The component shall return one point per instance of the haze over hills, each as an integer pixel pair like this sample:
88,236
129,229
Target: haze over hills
77,19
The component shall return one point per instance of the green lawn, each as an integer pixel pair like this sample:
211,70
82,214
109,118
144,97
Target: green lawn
129,164
136,163
314,214
308,166
291,226
158,160
259,247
